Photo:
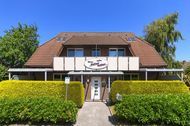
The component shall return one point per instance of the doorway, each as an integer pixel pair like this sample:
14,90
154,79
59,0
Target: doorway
95,88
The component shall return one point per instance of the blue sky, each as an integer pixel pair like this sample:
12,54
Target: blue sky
54,16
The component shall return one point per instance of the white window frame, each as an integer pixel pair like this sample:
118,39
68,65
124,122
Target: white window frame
117,51
74,50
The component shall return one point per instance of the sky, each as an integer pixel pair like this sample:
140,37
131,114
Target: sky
55,16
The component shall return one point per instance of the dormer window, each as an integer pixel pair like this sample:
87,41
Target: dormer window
131,39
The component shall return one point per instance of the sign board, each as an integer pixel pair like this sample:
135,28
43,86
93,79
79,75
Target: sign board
96,64
67,80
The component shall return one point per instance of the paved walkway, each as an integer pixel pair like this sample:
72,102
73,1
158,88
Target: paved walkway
94,114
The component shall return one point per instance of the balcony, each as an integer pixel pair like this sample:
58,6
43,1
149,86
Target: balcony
96,63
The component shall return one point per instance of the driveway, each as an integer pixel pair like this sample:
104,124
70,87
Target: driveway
94,114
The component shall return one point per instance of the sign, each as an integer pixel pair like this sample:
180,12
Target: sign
96,64
67,80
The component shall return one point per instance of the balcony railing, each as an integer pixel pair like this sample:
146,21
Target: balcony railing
96,63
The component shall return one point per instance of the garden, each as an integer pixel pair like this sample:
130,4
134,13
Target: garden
39,102
150,102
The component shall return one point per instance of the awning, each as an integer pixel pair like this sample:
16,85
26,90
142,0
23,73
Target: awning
29,69
95,73
161,70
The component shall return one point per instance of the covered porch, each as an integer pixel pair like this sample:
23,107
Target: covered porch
28,71
147,71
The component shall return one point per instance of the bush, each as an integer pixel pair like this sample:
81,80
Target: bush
3,72
37,110
155,109
146,87
55,89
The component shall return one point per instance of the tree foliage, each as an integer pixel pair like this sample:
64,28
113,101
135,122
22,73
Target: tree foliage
163,34
187,71
18,44
3,72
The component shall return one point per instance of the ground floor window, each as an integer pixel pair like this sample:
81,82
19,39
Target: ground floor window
59,76
131,76
115,77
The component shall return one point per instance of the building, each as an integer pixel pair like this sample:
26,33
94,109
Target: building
96,59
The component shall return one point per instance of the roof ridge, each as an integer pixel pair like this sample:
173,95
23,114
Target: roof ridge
66,41
96,32
47,41
124,40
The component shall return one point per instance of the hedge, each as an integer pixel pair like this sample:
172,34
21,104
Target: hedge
161,109
37,110
146,87
55,89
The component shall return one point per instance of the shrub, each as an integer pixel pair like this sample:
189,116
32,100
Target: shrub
146,87
3,72
155,109
37,110
55,89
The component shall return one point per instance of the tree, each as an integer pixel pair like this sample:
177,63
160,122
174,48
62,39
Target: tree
3,72
163,35
18,44
187,71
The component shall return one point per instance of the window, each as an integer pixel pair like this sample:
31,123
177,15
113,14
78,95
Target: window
75,52
71,52
121,52
116,52
113,52
135,77
127,77
79,53
131,76
96,52
59,76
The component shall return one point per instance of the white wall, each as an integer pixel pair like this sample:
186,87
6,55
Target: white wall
114,63
79,63
123,63
133,63
58,64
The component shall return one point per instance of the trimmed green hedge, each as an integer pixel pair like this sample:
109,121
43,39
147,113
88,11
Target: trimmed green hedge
146,87
55,89
37,110
158,109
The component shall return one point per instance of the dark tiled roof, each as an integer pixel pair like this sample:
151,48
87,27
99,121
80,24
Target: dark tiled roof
43,56
147,54
93,40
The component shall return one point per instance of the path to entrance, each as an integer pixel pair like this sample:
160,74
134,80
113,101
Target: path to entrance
94,114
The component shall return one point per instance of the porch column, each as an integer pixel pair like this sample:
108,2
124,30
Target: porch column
109,83
82,78
9,75
181,76
45,76
146,75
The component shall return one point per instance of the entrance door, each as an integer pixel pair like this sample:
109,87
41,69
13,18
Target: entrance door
95,88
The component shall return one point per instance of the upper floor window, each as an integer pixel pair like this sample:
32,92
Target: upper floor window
116,52
75,52
121,52
96,52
